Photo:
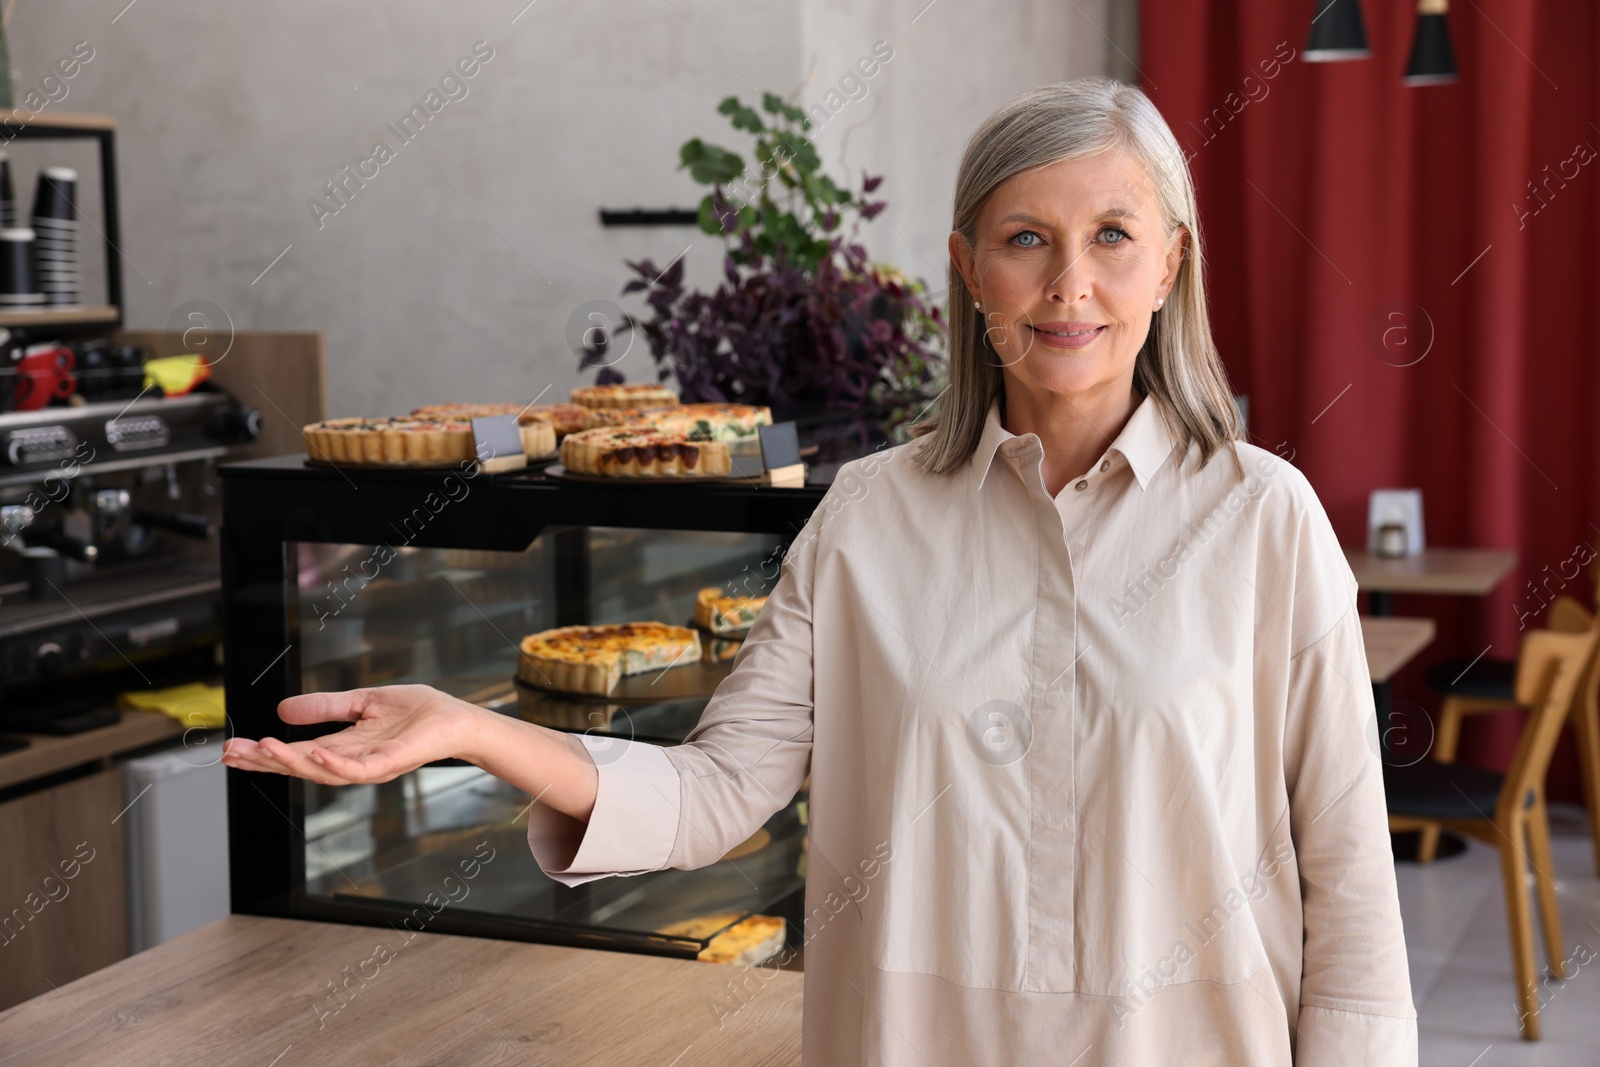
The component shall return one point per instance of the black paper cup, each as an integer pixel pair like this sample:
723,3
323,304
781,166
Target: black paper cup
8,197
57,194
16,263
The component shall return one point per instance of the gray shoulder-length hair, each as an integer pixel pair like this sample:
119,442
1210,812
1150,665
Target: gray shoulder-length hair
1178,365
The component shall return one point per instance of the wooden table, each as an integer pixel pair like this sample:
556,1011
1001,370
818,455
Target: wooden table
1450,571
255,991
1392,643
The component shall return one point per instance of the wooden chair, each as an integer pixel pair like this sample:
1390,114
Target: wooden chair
1508,811
1487,686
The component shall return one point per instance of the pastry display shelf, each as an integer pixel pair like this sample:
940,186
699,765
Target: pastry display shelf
478,563
472,816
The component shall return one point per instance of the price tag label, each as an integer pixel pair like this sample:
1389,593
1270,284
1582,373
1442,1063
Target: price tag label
497,440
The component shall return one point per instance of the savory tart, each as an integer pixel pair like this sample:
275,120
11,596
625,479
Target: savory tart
748,942
623,396
725,614
593,659
643,451
698,422
402,441
567,418
538,430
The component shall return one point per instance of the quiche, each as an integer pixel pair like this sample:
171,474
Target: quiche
748,942
643,451
566,418
593,659
623,396
725,614
402,441
714,422
538,432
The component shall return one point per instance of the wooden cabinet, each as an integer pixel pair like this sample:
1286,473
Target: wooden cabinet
63,864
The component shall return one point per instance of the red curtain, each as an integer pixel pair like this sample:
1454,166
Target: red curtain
1404,280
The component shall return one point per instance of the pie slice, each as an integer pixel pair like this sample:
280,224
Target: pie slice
401,441
593,659
748,942
723,614
643,451
623,396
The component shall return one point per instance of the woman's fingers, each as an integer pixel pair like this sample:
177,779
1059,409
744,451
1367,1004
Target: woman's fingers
324,707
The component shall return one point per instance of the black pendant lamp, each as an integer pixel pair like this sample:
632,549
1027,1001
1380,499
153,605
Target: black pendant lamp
1337,33
1433,62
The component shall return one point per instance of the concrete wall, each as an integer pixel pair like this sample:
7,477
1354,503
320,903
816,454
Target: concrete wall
453,271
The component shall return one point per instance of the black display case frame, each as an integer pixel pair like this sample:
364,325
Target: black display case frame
268,504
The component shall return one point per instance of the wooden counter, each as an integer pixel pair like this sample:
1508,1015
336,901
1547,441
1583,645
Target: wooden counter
47,753
260,992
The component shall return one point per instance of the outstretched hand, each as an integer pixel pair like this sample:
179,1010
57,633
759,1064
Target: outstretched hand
395,729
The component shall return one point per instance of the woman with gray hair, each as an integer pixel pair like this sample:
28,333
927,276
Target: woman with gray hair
1093,755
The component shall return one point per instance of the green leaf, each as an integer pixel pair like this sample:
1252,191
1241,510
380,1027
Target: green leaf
708,164
710,223
803,154
744,118
773,103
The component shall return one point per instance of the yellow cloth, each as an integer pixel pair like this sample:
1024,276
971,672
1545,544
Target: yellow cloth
177,374
196,705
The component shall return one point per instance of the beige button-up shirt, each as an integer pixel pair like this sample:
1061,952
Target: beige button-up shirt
1094,779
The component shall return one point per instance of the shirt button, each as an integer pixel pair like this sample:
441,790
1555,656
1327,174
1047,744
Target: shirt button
1084,484
1105,465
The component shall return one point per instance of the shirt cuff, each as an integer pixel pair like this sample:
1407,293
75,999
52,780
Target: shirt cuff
633,826
1331,1036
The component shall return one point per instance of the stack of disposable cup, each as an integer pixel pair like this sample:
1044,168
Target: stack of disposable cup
55,224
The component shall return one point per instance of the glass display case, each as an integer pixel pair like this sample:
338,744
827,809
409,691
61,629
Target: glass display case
341,578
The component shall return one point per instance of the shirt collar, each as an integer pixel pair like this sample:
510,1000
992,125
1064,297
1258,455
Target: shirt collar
1144,442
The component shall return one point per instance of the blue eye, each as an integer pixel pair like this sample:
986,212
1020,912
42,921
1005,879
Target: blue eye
1115,229
1024,233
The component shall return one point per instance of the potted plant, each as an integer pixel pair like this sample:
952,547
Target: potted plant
802,321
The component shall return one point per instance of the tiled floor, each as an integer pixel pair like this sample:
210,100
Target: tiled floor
1455,919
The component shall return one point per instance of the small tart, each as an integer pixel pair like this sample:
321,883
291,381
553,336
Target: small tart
394,442
723,614
623,396
643,451
593,659
716,422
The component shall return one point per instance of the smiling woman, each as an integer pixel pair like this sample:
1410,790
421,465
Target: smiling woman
1074,218
1094,707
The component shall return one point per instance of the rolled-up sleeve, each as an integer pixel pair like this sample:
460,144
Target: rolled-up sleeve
685,806
1355,990
634,822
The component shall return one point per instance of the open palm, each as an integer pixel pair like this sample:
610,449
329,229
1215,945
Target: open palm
394,729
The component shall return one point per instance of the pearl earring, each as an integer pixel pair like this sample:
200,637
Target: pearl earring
977,304
1163,300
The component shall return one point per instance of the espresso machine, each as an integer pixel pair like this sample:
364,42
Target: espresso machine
108,513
